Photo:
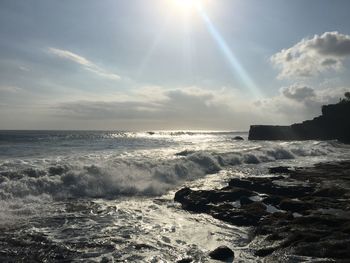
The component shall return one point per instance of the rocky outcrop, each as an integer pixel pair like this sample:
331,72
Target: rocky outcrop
334,123
222,253
302,211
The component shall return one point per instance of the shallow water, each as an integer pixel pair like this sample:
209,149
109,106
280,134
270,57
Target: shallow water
92,196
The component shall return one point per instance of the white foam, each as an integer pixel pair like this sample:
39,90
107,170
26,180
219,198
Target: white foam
115,175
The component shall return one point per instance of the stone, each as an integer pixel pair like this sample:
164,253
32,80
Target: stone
294,205
222,253
185,260
244,200
279,170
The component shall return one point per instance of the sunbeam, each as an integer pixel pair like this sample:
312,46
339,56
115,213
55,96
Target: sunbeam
225,49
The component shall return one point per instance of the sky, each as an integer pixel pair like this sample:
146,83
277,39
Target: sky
170,64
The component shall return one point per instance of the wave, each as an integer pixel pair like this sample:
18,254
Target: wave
119,176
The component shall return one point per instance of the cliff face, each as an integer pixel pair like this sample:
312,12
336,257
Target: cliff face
334,123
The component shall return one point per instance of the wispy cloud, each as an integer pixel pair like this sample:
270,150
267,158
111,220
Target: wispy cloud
171,108
84,62
10,89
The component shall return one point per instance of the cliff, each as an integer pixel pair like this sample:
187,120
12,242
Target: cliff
334,123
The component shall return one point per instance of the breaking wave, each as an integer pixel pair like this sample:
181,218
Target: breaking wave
117,176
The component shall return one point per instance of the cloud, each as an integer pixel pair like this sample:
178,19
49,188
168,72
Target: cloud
313,56
298,93
299,102
178,108
10,89
198,108
87,64
173,103
331,44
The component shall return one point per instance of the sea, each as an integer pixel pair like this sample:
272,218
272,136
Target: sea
107,196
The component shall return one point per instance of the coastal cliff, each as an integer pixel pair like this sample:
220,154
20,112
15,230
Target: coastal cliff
334,123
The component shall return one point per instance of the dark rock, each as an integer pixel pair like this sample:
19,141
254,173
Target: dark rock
279,170
266,186
185,260
334,123
238,138
319,194
182,194
272,200
244,200
263,252
106,260
330,192
294,205
222,253
247,215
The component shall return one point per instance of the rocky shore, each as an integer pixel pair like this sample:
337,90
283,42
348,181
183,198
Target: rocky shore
300,211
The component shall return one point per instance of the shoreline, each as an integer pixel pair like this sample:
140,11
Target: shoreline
295,212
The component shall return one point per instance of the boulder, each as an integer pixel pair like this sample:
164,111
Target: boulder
222,253
238,138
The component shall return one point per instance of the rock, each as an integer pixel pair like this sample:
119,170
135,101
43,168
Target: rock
315,200
330,192
334,123
263,252
272,200
238,138
222,253
279,170
106,260
294,205
244,200
185,260
181,194
266,186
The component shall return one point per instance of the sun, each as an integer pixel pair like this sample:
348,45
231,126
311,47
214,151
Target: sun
188,5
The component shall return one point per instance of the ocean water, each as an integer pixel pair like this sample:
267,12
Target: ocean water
99,196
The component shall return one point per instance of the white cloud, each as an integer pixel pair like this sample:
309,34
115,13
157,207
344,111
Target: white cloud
87,64
313,56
